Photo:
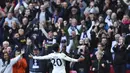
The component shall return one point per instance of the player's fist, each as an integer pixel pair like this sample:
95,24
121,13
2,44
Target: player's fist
80,59
22,51
103,65
30,56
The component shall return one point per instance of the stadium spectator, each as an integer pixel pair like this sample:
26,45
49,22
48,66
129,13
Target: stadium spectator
6,64
21,65
120,56
37,66
99,65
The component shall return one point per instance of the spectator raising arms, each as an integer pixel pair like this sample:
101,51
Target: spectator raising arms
21,65
6,64
25,24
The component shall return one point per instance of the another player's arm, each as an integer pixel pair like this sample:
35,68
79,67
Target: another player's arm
67,58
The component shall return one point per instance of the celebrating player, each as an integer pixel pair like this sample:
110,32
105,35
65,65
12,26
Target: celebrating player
57,59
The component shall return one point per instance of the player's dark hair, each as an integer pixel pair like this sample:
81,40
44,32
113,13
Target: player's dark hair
55,47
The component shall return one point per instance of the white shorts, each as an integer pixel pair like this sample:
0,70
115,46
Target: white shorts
58,71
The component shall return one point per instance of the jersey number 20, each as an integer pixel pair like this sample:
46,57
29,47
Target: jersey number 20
56,62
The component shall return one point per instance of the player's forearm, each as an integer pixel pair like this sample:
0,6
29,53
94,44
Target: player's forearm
37,57
74,60
71,59
40,57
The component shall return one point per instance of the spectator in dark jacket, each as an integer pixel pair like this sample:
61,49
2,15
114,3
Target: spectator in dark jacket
36,36
120,56
43,15
1,28
99,65
16,40
6,29
22,37
83,51
28,49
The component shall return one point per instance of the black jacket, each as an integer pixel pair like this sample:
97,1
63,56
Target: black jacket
98,66
1,29
120,55
47,14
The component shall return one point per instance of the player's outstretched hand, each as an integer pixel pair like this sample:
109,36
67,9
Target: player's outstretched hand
81,59
22,51
30,56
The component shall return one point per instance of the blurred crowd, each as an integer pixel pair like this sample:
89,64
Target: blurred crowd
95,29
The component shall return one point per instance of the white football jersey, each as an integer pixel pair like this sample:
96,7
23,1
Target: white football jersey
57,60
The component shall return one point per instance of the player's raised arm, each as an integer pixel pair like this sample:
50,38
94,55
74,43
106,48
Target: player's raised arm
14,60
41,57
